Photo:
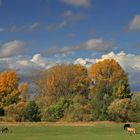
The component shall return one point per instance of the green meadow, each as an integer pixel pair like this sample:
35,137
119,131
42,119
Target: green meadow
96,132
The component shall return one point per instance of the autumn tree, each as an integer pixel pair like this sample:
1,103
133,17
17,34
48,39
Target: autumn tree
109,82
63,81
8,88
24,91
11,95
8,81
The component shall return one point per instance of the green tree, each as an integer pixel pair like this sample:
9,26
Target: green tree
31,112
135,102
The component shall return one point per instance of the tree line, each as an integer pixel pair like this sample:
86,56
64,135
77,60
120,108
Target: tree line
70,92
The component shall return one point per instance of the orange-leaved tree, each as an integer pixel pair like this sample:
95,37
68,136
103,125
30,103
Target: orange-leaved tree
61,84
10,95
109,82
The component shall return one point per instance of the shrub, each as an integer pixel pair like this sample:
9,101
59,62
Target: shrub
31,112
56,111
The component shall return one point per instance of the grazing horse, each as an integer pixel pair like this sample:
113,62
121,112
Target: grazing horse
126,126
131,130
4,129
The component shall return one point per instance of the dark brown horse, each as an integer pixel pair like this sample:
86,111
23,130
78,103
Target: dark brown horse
4,130
126,126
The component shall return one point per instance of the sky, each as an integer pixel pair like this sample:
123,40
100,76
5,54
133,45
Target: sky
38,34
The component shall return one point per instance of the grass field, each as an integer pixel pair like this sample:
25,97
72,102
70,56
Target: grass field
96,132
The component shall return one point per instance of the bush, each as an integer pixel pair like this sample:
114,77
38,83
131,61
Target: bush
15,111
79,110
56,111
120,110
31,112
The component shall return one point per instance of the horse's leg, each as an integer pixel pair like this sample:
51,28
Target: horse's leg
130,134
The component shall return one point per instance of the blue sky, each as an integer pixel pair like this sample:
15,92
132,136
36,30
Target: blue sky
40,33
